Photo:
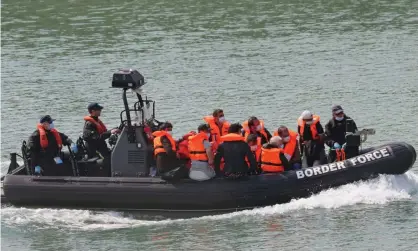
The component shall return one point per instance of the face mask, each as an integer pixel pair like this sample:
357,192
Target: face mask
281,146
51,126
286,139
339,118
258,128
309,122
208,134
221,119
254,148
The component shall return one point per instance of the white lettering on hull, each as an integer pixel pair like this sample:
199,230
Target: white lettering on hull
361,159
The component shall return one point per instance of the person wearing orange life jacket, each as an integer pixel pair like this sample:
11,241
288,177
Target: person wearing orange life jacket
311,139
291,146
183,148
255,126
273,159
165,148
95,133
219,127
255,145
201,155
234,151
44,146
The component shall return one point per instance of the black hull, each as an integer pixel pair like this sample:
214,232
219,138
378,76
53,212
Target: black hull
214,196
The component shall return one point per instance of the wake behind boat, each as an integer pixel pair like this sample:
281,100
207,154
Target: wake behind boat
131,188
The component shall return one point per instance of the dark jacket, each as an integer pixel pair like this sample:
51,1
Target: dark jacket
166,161
94,140
315,146
335,131
45,157
286,164
234,153
263,139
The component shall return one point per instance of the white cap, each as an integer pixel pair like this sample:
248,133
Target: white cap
306,115
276,141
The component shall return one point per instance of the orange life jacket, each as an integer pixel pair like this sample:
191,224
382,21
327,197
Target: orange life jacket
270,160
196,148
247,130
257,152
158,146
290,147
44,139
314,132
183,145
101,128
216,133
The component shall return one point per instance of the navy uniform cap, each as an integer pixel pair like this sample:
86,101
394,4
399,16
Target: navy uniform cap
94,106
46,118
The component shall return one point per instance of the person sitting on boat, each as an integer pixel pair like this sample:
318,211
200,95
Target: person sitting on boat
291,147
273,159
255,145
234,151
335,131
201,155
219,127
165,148
44,146
183,149
311,135
95,133
255,126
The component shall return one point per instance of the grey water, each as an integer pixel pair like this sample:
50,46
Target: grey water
271,59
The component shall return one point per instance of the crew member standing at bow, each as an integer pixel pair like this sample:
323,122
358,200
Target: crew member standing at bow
311,134
219,127
165,149
255,126
235,152
95,133
335,131
44,146
291,146
273,159
201,155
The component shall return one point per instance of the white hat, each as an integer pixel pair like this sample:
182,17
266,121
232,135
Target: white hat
306,115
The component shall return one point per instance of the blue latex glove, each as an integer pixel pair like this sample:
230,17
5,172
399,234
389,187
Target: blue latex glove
344,145
337,146
38,169
74,148
297,166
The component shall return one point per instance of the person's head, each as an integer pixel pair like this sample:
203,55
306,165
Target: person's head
283,132
218,115
276,141
307,117
47,122
252,141
95,109
338,112
205,128
166,126
235,128
254,124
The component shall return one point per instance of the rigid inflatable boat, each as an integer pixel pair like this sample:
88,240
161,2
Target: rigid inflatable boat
131,188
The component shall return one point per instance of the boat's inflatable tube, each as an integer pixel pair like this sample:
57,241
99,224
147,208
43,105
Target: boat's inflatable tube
213,195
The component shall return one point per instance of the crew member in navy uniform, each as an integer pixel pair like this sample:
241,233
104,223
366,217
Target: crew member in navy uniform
95,134
44,147
335,132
